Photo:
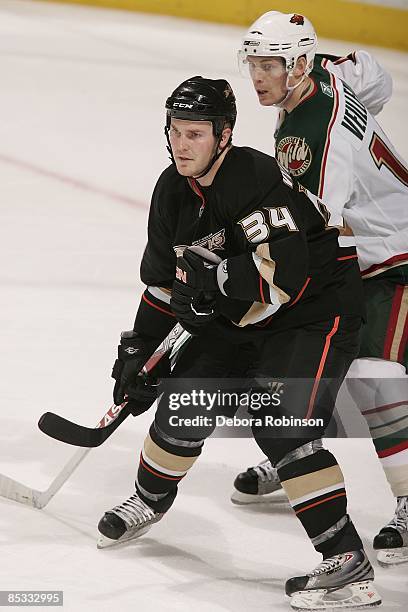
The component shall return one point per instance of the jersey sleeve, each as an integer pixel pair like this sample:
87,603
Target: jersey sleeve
336,181
274,267
368,79
154,317
159,260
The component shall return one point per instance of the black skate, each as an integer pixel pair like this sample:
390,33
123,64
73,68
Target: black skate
340,582
258,484
126,522
392,541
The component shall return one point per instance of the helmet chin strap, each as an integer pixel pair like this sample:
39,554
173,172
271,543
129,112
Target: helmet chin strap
289,91
213,159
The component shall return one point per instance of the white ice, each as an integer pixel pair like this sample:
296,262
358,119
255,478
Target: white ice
81,145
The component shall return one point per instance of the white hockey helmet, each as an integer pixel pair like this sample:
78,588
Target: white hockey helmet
281,35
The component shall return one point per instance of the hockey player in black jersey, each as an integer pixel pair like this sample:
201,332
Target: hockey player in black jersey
245,260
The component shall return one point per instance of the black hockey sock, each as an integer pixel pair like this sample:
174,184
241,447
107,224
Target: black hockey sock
315,488
164,461
345,540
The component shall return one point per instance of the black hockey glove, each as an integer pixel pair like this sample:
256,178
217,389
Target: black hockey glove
139,391
194,293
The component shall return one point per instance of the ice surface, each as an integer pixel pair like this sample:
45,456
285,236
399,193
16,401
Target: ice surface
81,145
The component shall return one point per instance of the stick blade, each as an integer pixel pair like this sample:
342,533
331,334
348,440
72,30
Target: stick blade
16,491
66,431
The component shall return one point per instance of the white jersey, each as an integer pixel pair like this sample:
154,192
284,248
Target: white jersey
337,150
369,81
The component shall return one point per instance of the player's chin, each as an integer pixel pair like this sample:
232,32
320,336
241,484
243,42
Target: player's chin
266,99
183,168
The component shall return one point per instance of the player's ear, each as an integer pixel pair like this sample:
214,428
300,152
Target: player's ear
300,68
226,135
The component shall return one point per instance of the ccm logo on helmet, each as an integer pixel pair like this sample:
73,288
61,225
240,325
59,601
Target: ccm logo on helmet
182,105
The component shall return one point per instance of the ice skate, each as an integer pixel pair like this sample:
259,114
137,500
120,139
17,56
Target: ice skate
125,522
257,485
392,541
343,581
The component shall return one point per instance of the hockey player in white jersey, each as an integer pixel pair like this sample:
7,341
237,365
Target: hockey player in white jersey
328,139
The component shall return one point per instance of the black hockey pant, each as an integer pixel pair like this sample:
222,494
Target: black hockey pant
319,354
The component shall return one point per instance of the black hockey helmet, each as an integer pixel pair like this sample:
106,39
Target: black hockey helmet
200,99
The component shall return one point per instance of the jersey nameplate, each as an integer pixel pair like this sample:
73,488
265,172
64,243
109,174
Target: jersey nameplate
355,114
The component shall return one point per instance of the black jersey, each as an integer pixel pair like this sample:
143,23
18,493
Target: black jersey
279,266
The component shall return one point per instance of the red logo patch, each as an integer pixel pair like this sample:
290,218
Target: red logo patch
294,154
298,19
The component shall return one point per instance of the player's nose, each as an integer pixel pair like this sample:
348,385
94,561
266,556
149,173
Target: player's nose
182,144
257,77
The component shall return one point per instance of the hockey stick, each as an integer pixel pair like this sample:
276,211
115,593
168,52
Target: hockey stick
16,491
12,489
66,431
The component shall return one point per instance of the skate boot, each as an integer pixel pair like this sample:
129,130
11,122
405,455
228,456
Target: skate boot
342,581
392,541
126,522
258,484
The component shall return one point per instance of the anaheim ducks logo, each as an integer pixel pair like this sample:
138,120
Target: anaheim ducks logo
294,154
212,242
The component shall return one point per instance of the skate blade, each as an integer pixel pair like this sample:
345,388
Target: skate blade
358,595
244,499
104,542
392,556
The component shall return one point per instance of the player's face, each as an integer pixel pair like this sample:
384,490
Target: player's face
269,77
193,145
